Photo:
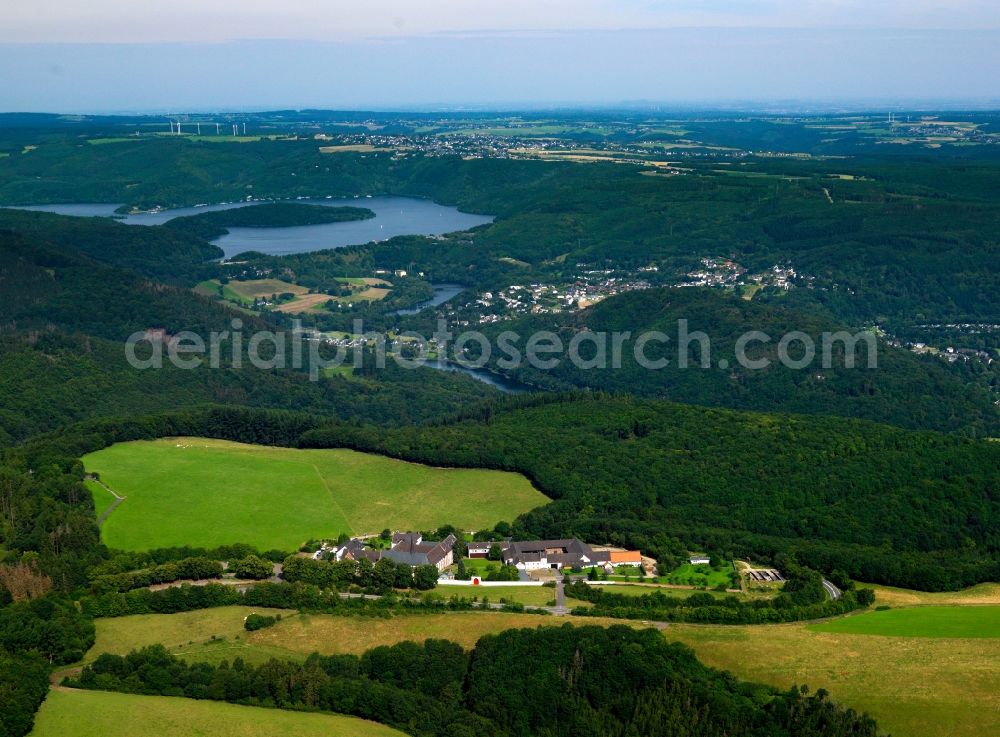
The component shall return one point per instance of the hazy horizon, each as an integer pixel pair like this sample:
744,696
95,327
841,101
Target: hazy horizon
395,55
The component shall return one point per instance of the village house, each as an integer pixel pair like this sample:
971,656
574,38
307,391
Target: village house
408,548
481,548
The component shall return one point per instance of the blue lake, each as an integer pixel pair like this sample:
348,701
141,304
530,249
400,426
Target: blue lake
394,216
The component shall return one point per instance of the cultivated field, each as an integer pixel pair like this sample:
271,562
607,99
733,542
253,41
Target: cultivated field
103,714
200,492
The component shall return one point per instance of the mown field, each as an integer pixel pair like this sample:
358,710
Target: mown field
924,621
105,714
200,492
102,497
634,589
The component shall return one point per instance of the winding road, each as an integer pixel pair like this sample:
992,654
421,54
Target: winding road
832,591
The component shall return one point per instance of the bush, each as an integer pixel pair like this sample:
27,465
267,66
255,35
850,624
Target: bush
259,621
251,567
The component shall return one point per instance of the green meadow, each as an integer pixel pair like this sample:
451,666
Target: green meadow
71,713
927,621
201,492
102,497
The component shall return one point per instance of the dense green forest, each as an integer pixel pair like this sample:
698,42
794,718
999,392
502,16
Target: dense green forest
165,254
900,388
595,681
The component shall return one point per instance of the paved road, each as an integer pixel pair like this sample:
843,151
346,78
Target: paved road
832,591
560,607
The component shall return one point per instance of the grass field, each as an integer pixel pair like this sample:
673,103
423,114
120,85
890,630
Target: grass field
924,621
700,575
913,686
637,590
481,566
185,633
200,492
527,595
102,497
104,714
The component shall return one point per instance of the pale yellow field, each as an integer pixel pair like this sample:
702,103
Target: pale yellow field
985,593
177,632
329,635
217,634
914,687
304,303
371,294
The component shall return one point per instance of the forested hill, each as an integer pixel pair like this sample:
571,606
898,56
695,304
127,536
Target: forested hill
173,256
209,225
901,389
913,509
65,316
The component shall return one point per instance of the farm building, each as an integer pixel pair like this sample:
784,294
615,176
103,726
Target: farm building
626,558
572,553
699,560
481,548
409,548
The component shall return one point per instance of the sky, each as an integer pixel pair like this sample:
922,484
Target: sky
175,55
